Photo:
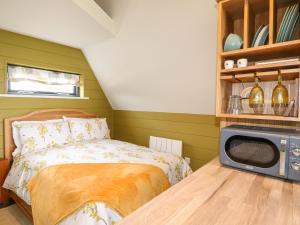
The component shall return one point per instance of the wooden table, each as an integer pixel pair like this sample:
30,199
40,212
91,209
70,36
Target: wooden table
220,195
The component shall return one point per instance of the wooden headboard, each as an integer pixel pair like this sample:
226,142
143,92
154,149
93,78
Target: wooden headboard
49,114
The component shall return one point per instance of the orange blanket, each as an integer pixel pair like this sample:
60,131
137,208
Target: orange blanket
58,191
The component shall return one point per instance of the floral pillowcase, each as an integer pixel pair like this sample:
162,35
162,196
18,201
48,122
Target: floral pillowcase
36,136
88,129
16,125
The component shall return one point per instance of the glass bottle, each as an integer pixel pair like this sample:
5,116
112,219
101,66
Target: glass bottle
280,98
256,98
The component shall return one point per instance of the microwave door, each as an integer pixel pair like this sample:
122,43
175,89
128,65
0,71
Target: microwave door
253,151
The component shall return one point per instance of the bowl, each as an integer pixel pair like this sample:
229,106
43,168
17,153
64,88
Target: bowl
233,42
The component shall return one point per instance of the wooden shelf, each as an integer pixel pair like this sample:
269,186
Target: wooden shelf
249,77
287,74
266,49
244,17
261,67
259,117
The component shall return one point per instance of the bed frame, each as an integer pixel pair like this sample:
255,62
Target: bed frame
9,145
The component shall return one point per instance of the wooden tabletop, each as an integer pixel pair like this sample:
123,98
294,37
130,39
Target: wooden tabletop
220,195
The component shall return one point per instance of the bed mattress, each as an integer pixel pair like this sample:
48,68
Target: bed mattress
104,151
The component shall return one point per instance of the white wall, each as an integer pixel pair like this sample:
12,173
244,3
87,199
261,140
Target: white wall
163,57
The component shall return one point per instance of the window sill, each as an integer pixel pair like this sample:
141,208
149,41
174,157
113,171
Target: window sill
41,96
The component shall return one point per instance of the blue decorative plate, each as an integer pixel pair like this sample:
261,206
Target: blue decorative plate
292,20
294,26
262,36
283,24
256,35
259,37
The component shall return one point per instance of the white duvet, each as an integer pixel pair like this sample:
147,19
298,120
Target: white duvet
105,151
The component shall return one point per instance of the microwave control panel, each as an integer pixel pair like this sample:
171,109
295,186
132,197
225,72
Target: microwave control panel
294,159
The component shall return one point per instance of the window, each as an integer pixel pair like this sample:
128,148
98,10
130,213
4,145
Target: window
23,80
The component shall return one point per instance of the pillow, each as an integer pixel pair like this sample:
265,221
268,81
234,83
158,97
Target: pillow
16,129
37,136
104,127
87,129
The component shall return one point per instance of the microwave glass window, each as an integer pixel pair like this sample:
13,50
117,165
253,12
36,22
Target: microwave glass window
252,151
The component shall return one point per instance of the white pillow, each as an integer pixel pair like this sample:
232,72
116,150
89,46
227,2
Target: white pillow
16,132
37,136
87,129
104,128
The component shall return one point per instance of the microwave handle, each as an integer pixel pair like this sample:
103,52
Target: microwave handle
282,158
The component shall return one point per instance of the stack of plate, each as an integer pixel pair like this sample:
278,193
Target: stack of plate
261,36
288,24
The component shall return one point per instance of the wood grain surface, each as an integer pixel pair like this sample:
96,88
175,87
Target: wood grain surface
4,167
220,195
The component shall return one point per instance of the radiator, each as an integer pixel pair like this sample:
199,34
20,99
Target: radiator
166,145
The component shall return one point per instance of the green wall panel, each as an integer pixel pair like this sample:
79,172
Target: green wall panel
20,49
199,133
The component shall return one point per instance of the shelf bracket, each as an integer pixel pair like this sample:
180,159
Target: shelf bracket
236,79
255,75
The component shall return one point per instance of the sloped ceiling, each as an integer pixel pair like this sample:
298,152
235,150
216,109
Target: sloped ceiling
76,23
162,58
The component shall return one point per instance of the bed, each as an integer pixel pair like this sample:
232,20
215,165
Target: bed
94,152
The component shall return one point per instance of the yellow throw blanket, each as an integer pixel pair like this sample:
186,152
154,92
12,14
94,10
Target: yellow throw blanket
60,190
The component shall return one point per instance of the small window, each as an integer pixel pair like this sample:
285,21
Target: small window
23,80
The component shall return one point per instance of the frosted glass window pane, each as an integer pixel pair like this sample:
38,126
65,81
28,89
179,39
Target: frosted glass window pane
27,80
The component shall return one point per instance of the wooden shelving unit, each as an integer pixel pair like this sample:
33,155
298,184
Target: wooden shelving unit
243,17
276,48
261,67
260,117
287,74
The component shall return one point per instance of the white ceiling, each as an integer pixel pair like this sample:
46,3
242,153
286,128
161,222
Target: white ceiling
76,23
162,57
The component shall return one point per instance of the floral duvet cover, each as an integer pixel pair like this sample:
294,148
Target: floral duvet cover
104,151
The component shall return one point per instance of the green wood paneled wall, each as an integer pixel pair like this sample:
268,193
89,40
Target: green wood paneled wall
26,50
199,133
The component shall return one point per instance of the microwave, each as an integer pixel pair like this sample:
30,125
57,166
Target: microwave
269,151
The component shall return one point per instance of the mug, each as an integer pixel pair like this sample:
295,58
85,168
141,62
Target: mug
242,63
229,64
